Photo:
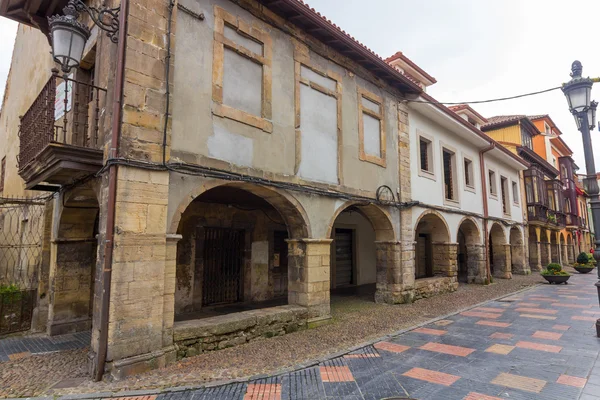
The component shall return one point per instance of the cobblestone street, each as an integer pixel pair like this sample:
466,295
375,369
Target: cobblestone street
537,344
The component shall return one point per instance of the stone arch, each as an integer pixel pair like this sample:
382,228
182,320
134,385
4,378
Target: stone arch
519,263
245,243
379,218
73,269
500,264
470,252
434,254
364,248
286,205
439,225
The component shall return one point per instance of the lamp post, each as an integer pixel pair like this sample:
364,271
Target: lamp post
578,91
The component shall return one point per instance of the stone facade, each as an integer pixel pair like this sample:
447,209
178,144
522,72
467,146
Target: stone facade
205,164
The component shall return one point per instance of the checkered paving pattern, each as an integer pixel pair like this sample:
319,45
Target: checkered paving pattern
20,347
535,345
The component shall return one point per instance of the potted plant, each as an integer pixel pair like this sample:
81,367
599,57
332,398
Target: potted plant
585,263
554,274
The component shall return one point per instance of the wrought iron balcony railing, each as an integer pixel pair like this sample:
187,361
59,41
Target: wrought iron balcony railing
66,112
541,213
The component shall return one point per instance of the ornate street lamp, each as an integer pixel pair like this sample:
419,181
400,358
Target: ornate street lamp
69,35
578,91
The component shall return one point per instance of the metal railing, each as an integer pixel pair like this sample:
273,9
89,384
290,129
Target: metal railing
542,213
66,111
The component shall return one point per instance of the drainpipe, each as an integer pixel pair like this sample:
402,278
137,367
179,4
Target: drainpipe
112,192
492,146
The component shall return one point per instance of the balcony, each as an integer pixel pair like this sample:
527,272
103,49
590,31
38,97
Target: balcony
574,220
59,134
545,216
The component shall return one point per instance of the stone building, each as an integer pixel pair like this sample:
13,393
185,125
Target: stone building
226,167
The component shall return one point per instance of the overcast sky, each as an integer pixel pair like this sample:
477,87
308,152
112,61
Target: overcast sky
475,49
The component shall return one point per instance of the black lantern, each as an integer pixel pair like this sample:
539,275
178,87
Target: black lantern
69,35
68,38
578,90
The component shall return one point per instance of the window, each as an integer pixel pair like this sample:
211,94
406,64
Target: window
469,179
505,195
492,182
371,133
515,192
425,155
449,178
526,139
547,129
241,71
2,173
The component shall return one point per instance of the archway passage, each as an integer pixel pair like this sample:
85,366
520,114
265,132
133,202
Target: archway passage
519,263
471,253
500,264
233,255
361,253
74,276
434,254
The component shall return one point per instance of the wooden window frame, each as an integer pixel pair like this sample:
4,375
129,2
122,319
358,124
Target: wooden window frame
453,175
493,194
516,197
506,203
469,187
220,43
362,155
302,59
425,173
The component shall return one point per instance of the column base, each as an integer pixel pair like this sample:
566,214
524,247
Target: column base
61,328
120,369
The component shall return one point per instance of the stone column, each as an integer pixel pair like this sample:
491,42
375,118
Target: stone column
518,262
309,277
445,261
389,272
476,272
170,284
564,255
535,256
502,261
554,253
545,253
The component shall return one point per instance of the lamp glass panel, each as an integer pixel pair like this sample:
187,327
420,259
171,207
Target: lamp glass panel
78,43
579,97
61,42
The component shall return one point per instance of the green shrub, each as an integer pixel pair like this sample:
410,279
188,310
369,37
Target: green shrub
591,258
583,258
548,272
10,293
554,267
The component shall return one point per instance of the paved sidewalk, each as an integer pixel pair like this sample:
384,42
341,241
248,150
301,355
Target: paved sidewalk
19,347
539,344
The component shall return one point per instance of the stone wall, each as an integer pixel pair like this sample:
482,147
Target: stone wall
199,336
428,287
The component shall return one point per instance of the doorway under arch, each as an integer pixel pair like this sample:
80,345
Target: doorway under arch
470,253
432,240
73,279
500,264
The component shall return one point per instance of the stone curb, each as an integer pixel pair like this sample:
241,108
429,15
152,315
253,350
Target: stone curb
287,370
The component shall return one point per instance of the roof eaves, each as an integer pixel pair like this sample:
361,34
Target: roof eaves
342,39
474,129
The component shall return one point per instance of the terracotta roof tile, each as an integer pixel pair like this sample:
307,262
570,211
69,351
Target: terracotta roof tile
400,55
